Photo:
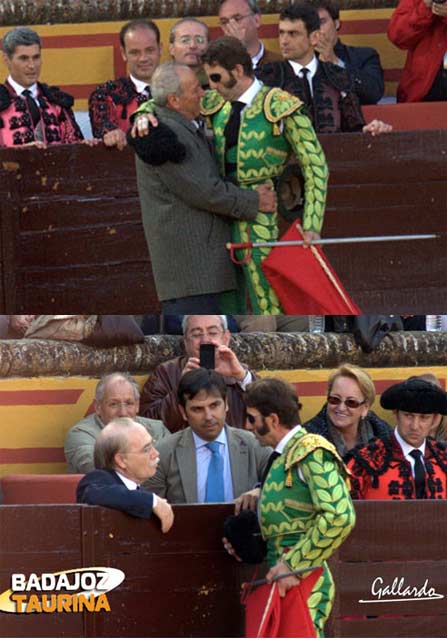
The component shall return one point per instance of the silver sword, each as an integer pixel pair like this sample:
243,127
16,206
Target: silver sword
352,240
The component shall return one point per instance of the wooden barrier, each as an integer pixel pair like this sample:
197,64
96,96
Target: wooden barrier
409,116
71,229
184,584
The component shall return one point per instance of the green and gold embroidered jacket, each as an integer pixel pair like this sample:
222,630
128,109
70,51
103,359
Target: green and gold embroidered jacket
303,522
272,128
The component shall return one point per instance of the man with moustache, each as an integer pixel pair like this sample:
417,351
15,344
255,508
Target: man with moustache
125,457
111,104
304,507
410,464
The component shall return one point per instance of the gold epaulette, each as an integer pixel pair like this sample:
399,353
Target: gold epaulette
278,104
211,103
306,445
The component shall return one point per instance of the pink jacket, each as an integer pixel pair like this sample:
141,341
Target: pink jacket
414,27
16,125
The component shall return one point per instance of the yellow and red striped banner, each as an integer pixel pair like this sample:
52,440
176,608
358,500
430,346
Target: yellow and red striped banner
36,413
77,57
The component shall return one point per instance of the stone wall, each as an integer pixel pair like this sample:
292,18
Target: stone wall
29,358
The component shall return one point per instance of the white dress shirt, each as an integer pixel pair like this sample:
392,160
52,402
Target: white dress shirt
407,448
19,89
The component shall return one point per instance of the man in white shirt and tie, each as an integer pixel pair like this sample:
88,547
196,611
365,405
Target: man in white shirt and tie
208,461
411,464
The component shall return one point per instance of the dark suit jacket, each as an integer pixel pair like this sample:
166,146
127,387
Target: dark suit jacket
364,68
104,487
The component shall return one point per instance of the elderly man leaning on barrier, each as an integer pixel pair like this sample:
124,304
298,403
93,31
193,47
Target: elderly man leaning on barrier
117,396
305,511
209,461
410,464
31,112
186,207
159,396
125,456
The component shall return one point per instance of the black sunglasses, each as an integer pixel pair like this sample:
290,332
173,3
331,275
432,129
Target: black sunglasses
351,403
251,419
215,77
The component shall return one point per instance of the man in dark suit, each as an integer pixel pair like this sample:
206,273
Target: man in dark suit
208,461
324,87
362,64
124,458
186,206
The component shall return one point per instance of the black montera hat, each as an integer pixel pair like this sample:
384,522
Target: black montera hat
415,396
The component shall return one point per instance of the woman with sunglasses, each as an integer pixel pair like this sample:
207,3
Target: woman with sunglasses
346,419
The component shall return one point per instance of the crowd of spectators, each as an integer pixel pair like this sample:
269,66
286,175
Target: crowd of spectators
33,113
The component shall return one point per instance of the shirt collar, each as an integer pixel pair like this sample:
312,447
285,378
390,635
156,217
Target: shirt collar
406,448
289,435
139,84
19,89
200,442
130,484
312,66
255,59
248,96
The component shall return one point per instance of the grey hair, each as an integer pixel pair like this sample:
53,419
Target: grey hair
102,384
20,36
185,320
166,81
113,439
253,5
183,21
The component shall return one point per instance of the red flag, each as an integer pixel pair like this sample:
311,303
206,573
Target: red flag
304,281
269,616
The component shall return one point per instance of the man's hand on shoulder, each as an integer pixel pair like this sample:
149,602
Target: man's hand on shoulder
163,510
141,123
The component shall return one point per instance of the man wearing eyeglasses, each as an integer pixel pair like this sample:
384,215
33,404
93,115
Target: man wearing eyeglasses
241,19
410,464
188,41
159,396
111,104
117,396
125,457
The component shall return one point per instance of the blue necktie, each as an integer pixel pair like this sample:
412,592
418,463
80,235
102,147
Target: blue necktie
215,483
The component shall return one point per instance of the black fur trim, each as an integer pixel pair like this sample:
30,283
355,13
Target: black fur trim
56,96
5,98
159,147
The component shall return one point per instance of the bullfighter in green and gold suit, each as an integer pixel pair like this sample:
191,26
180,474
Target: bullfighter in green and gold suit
273,126
305,510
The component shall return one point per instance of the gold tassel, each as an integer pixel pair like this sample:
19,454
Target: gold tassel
276,129
289,478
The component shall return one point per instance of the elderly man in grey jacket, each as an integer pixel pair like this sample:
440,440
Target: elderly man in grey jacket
186,207
117,396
